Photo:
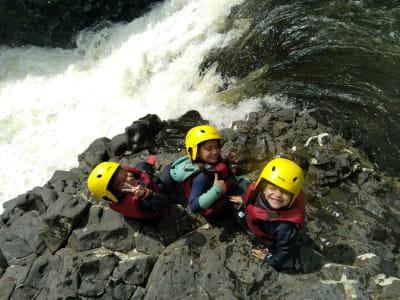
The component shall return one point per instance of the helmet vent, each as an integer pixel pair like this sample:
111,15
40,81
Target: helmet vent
99,175
295,179
273,169
202,131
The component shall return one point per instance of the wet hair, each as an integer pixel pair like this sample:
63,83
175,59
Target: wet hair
110,187
260,187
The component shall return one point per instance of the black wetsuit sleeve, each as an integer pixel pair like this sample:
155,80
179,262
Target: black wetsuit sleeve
165,182
155,201
286,235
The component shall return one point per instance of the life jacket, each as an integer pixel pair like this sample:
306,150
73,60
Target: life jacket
183,170
255,214
129,206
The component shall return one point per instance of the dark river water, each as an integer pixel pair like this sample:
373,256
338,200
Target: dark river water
340,58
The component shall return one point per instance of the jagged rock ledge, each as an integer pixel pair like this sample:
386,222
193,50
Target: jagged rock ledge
58,242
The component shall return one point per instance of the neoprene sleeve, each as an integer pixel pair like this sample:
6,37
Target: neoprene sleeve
209,197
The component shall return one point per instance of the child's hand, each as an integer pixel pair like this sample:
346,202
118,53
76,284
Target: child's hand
260,253
237,199
231,157
220,183
137,190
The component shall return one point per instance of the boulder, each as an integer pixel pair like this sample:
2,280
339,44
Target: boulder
59,242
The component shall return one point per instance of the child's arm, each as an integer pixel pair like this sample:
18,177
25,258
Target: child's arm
237,199
200,197
285,245
153,201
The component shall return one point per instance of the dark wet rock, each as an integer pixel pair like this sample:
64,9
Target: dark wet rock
95,153
57,23
118,145
21,244
61,218
172,136
140,135
58,242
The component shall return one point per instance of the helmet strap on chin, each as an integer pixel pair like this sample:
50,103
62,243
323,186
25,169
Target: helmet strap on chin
190,152
292,202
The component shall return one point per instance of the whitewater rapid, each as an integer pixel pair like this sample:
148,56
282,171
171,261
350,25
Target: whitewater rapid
55,102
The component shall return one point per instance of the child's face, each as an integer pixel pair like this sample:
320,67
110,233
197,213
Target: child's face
130,179
276,196
119,180
209,151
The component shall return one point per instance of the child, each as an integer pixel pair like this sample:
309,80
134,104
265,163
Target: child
206,176
127,190
275,210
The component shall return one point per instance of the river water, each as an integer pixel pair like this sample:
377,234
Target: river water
340,59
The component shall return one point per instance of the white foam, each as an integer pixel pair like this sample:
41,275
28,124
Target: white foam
56,102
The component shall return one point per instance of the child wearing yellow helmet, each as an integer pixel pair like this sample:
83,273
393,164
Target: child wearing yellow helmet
127,190
206,176
275,210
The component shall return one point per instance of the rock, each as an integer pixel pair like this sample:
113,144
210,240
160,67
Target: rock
141,133
21,244
57,23
94,154
59,242
171,138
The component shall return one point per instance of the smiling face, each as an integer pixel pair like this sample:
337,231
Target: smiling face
130,179
276,196
209,151
119,180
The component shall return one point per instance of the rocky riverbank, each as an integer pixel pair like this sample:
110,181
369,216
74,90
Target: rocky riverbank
58,242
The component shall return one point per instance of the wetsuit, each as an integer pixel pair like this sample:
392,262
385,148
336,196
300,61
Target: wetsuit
202,194
276,229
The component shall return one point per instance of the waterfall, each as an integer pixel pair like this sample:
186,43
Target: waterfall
55,102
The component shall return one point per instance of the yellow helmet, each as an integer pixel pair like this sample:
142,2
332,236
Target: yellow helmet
285,174
198,135
99,178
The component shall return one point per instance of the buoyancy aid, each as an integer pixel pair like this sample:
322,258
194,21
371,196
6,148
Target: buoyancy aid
256,214
183,170
129,206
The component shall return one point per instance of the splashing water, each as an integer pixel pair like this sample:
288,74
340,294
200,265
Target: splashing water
55,102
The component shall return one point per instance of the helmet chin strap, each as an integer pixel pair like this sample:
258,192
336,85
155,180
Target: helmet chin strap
292,201
190,151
